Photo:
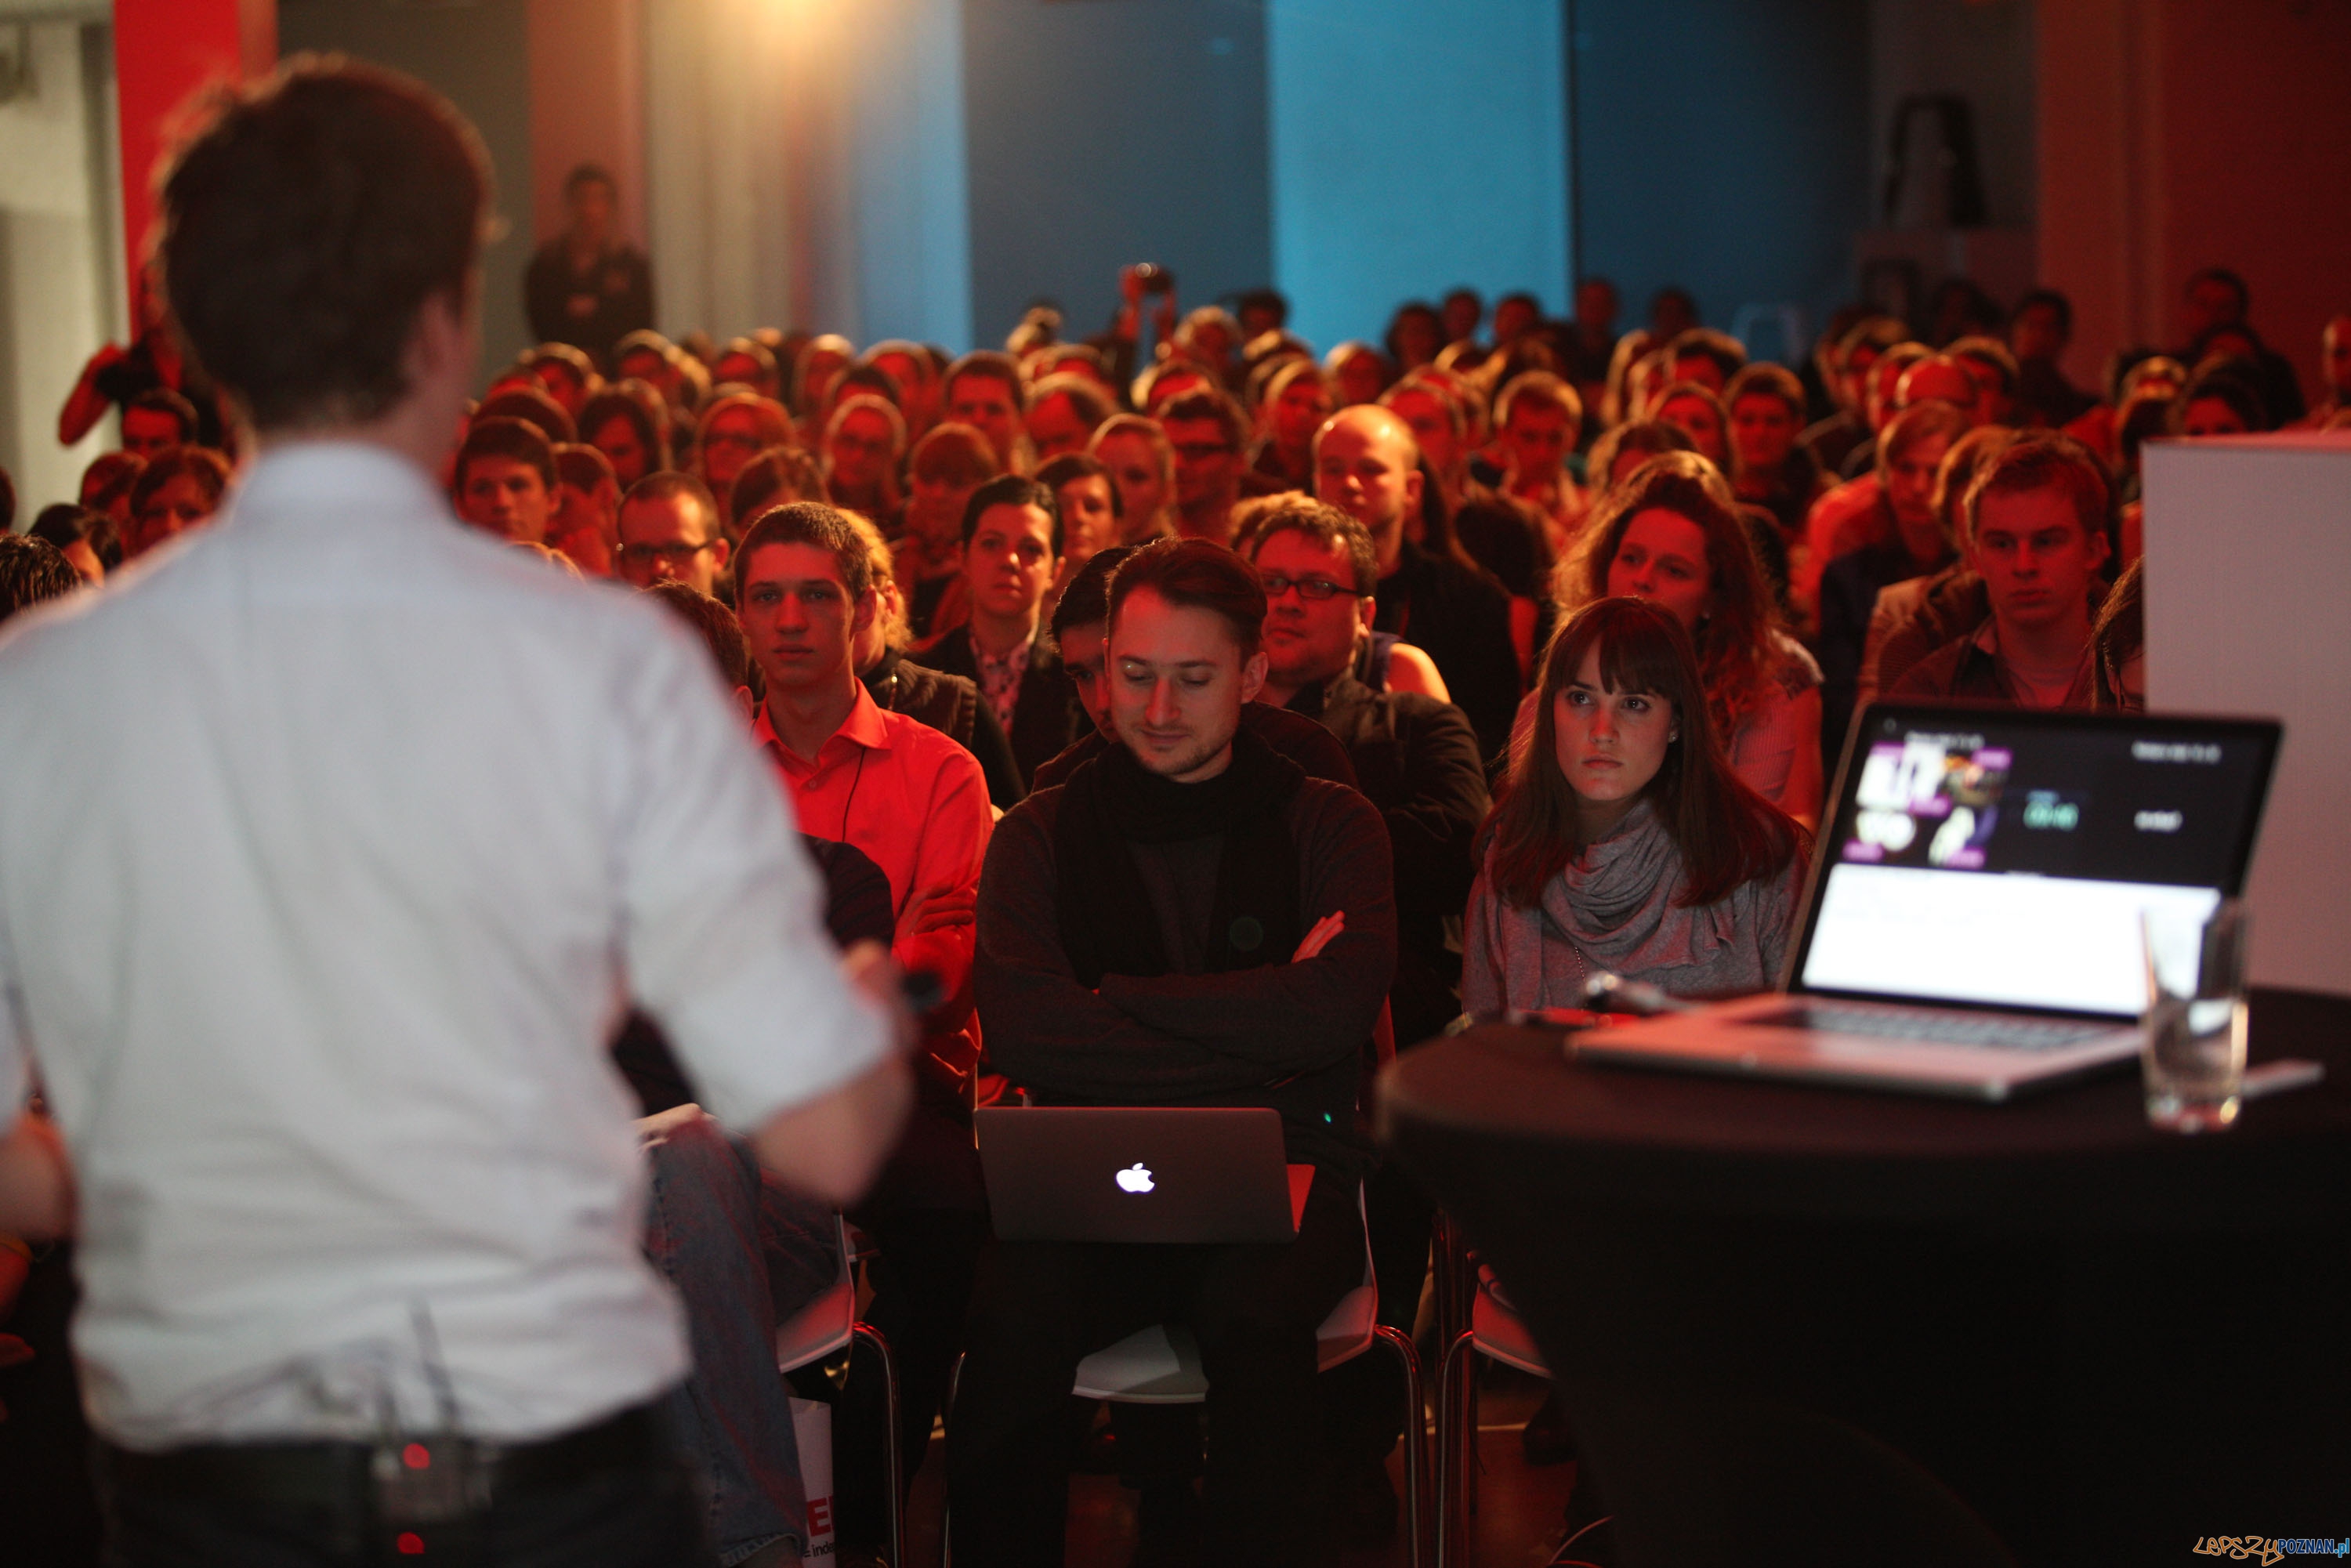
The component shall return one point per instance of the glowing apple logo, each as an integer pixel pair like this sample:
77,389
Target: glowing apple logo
1135,1178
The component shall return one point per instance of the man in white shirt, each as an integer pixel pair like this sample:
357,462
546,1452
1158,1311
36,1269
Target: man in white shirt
317,923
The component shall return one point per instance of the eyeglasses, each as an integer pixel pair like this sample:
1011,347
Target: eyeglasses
1313,590
676,552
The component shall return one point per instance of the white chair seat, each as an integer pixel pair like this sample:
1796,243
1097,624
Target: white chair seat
1161,1364
1501,1335
820,1328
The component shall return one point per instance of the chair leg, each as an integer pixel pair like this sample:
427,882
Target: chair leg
1415,1430
894,1469
1451,1525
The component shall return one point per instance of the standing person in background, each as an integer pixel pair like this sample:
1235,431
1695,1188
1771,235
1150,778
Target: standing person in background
414,931
115,377
586,286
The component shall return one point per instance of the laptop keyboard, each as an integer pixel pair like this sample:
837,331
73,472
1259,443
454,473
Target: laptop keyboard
1941,1028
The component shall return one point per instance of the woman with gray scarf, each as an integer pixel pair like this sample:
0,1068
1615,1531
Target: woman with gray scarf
1624,842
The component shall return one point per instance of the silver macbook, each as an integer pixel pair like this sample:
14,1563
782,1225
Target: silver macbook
1138,1173
1971,924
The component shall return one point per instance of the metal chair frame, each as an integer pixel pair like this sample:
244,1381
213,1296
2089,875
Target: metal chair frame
825,1327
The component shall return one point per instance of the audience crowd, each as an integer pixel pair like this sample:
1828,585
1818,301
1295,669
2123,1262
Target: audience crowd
1208,716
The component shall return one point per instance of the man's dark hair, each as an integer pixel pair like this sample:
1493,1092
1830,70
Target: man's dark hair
1201,574
533,407
589,175
778,475
669,485
305,226
2042,460
32,570
813,523
1071,467
107,480
1705,342
2057,303
165,400
1085,598
2229,382
582,467
208,468
1208,404
66,524
1012,490
638,403
1992,353
712,622
1326,525
502,437
1269,300
2227,279
994,366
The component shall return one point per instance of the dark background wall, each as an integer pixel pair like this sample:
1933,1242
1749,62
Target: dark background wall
478,56
1102,134
1722,145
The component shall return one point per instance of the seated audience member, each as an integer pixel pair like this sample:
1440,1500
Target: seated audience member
32,570
1624,842
1849,377
1671,534
948,464
528,401
86,538
1358,373
910,370
1170,378
1508,537
983,390
1367,464
913,802
1538,420
669,529
1105,984
949,703
775,477
504,479
1695,409
1415,335
2119,643
1914,617
861,444
1298,399
1516,314
1081,633
1855,512
1884,400
1768,468
2217,297
1910,542
1593,342
733,429
1207,433
565,373
1462,309
627,423
818,363
106,488
116,376
2335,363
1622,449
179,489
748,362
2035,531
586,522
1210,337
1064,412
156,419
1141,463
1704,356
2219,401
2038,335
1091,510
1011,554
1995,371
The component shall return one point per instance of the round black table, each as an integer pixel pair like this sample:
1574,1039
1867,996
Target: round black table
1788,1318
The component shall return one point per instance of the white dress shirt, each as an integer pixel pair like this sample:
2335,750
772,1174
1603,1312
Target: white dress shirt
331,841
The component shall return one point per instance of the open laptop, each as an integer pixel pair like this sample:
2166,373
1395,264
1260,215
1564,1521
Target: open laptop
1138,1174
1971,924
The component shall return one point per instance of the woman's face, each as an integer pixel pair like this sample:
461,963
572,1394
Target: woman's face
1696,417
934,512
1609,745
1134,465
860,451
1301,407
616,438
1765,430
1662,558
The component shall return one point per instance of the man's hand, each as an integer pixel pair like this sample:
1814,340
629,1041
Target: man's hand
1318,938
36,1184
834,1146
942,907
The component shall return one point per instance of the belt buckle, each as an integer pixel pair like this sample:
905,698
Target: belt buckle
432,1478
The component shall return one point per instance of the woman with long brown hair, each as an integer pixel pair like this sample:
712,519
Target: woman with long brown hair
1671,533
1623,842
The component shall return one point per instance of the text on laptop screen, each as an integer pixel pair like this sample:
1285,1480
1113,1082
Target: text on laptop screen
2005,864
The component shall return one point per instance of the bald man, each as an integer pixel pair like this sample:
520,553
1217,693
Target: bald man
1367,464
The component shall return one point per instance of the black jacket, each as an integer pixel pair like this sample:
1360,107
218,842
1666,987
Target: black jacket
1045,715
951,705
619,281
1416,759
1461,618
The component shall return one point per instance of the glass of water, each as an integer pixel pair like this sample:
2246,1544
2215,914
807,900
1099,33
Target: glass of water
2192,1054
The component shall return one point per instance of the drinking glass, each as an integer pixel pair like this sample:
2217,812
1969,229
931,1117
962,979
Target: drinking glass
2192,1055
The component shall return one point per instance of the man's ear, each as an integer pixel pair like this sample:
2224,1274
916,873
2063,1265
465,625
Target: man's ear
721,552
869,605
743,700
1253,676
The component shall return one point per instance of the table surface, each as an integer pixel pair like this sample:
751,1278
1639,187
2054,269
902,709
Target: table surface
2081,1152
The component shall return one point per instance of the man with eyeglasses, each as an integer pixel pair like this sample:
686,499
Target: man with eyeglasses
1416,759
669,528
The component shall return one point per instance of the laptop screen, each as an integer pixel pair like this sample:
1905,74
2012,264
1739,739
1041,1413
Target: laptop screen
1996,858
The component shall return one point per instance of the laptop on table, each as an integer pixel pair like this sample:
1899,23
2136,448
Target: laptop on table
1139,1172
1971,924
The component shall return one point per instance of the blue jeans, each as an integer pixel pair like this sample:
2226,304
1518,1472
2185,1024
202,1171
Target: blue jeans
744,1254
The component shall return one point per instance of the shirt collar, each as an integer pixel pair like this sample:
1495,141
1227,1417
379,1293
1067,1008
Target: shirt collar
288,483
864,727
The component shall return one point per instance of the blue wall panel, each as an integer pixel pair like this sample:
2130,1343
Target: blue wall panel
1417,146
